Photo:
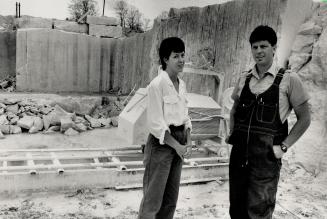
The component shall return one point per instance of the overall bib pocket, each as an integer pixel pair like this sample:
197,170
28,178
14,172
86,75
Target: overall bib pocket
266,113
243,110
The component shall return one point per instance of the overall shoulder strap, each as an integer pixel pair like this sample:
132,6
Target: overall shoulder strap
279,76
248,77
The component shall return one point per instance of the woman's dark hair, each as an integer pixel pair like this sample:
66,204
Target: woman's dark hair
169,45
262,33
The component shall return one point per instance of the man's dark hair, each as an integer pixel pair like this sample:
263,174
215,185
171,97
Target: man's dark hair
262,33
169,45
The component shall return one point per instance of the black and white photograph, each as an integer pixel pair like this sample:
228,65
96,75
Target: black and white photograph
163,109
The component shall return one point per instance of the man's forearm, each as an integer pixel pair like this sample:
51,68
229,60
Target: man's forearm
297,131
301,125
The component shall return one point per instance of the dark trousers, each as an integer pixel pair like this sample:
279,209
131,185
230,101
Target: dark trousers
253,186
161,180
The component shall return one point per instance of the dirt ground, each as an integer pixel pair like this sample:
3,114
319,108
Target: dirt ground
301,193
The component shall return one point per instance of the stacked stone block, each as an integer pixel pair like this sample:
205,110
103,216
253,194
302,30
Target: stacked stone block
104,27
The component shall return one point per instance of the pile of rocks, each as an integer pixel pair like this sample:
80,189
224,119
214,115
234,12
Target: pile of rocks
8,84
108,109
17,116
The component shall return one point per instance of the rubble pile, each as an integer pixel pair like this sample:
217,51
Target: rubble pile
30,116
108,109
8,84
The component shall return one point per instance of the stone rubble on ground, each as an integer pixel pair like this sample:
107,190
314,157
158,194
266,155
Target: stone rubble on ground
14,120
71,132
114,121
79,119
16,129
105,122
37,125
65,124
12,108
80,127
81,106
33,130
52,129
1,135
5,129
3,120
29,116
94,122
8,84
26,122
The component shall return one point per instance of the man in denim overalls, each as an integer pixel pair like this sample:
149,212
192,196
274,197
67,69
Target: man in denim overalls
263,99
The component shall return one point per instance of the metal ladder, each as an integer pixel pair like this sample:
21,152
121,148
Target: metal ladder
120,168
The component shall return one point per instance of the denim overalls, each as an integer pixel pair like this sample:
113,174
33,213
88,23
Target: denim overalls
254,170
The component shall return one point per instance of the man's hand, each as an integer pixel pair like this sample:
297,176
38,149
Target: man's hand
278,151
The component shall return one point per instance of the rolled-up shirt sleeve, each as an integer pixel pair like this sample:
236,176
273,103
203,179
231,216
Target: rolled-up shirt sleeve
155,117
297,91
188,124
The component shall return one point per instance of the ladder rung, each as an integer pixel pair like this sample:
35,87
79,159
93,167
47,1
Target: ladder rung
96,160
56,161
116,160
31,164
5,164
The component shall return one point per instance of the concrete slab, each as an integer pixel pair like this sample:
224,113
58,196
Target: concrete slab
72,27
110,21
57,61
132,120
105,31
7,53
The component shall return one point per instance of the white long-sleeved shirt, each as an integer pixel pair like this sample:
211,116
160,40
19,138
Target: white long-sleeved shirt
166,106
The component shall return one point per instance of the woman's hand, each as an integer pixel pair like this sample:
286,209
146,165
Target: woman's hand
188,152
180,150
